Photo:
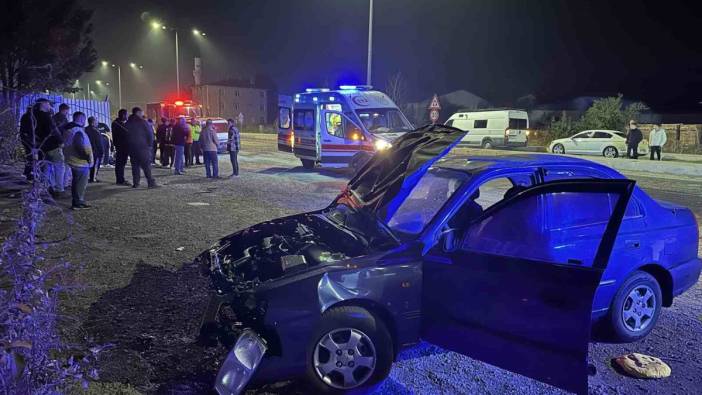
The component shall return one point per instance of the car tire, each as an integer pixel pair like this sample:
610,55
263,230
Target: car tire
307,163
487,144
610,152
374,347
558,149
635,308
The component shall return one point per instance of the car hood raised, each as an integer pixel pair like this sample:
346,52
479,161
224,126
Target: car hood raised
384,182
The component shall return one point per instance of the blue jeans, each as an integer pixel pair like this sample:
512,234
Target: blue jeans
211,161
54,169
235,162
79,184
179,159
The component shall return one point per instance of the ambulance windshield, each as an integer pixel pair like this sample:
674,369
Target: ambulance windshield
383,120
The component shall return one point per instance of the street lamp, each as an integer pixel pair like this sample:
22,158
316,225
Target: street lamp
370,44
119,76
158,25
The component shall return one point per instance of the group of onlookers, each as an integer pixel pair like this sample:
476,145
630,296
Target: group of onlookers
72,150
180,144
656,141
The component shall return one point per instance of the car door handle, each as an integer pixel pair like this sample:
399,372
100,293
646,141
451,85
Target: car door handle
633,243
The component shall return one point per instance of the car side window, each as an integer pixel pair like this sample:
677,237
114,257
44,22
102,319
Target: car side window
602,135
583,135
519,230
487,195
284,118
480,124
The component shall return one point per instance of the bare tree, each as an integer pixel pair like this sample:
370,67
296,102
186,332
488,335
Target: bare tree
396,88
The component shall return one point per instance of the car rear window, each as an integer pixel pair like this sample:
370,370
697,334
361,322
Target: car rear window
516,123
304,120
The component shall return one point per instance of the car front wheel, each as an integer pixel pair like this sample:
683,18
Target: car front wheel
610,152
558,149
352,350
636,307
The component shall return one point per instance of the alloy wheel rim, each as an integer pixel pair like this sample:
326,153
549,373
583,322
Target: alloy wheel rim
609,152
344,358
558,149
639,308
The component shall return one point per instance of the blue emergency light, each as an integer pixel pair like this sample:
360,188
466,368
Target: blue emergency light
355,87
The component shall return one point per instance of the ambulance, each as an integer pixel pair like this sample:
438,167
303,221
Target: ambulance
339,128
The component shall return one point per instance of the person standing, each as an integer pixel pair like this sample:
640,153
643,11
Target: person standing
209,142
49,141
188,149
140,140
79,157
96,144
657,140
161,140
154,145
633,138
233,146
196,149
61,117
28,143
181,132
119,140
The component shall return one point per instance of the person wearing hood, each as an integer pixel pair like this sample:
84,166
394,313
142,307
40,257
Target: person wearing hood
119,141
79,157
49,141
140,139
96,143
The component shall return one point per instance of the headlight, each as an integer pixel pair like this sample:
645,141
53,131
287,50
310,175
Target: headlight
381,145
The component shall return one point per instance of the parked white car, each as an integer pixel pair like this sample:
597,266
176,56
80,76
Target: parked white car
608,143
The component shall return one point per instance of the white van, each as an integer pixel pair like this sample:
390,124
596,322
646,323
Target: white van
493,128
339,128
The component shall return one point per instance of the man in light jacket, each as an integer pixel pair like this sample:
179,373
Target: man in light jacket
78,154
209,143
657,140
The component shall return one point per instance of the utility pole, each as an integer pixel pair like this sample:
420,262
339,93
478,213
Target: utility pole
370,44
119,85
177,64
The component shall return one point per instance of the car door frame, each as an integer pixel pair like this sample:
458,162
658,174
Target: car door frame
580,146
575,377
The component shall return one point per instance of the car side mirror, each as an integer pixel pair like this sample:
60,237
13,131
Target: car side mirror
449,239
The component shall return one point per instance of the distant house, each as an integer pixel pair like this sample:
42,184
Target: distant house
450,103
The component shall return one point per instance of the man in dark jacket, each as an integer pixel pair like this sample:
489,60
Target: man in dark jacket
96,144
181,132
119,140
50,143
61,117
633,138
140,140
161,134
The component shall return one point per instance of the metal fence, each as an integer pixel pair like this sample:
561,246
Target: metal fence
92,108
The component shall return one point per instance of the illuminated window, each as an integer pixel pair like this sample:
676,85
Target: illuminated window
335,124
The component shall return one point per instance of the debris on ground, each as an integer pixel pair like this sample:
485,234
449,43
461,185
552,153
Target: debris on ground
643,366
180,248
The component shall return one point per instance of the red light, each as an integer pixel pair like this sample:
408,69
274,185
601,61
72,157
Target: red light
178,102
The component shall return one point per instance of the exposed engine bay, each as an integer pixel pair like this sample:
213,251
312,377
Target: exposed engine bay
279,248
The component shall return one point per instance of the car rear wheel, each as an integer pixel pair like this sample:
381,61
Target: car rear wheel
307,163
487,144
351,350
558,149
636,307
610,152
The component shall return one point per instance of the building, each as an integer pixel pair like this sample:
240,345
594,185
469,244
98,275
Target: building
229,99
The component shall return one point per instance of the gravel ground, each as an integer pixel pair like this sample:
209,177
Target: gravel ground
141,295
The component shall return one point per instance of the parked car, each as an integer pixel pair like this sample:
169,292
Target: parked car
608,143
492,128
505,259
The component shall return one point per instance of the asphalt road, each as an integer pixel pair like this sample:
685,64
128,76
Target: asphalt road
139,294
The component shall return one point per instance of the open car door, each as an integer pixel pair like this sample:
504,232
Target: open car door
503,292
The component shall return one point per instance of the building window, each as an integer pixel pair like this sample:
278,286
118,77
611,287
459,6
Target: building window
236,93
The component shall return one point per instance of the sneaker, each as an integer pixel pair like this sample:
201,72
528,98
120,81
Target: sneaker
80,207
125,183
154,186
135,186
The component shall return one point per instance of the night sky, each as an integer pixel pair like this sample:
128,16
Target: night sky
499,50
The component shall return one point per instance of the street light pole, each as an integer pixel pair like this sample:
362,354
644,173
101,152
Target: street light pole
119,85
177,63
370,44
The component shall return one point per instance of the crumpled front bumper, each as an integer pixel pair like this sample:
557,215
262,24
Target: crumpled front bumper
241,363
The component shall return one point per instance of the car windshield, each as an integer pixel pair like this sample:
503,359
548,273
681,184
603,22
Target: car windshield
383,120
425,200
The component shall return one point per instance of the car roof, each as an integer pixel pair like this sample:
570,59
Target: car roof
480,164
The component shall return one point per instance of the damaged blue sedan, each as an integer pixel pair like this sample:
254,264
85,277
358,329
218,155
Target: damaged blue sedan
507,260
